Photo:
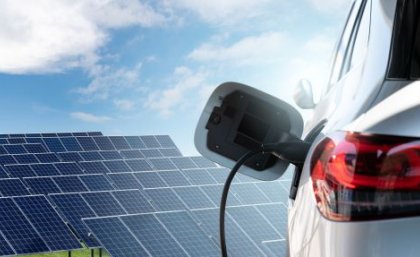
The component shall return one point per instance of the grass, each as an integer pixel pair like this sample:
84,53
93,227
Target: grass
75,253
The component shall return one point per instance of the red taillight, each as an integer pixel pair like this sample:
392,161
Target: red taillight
359,176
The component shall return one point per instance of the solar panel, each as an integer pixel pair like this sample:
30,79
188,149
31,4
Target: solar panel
54,144
70,157
87,143
5,248
275,248
47,222
132,154
249,194
94,133
119,142
19,170
35,140
164,199
133,201
194,198
91,156
94,167
150,141
274,191
12,187
111,155
47,157
68,168
2,150
162,164
276,214
71,144
165,141
103,203
199,177
70,184
104,143
151,153
150,179
16,140
25,158
74,208
115,237
189,234
153,235
45,169
170,152
220,175
44,185
214,192
135,142
7,159
174,178
96,182
124,180
238,244
183,163
17,229
117,166
34,148
202,162
15,149
139,165
3,173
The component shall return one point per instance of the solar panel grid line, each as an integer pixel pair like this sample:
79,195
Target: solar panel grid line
54,144
164,199
199,177
170,152
91,156
69,157
119,142
150,141
194,198
42,185
71,144
70,184
103,203
45,169
47,157
135,142
276,248
13,187
174,178
104,143
93,167
138,165
7,159
68,168
124,180
133,201
19,170
150,153
274,213
28,158
34,148
161,164
87,143
96,182
6,249
150,180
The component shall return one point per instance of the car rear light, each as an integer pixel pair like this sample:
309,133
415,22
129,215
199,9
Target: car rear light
358,176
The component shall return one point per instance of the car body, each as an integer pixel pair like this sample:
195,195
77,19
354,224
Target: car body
371,91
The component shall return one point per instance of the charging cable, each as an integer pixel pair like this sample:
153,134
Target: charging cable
293,152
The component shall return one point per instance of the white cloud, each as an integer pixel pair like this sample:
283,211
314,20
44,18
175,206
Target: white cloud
331,6
124,104
51,36
254,50
88,117
181,94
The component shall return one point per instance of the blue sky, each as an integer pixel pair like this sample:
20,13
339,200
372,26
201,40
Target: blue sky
135,67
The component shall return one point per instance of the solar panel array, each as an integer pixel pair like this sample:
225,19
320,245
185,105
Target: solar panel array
132,195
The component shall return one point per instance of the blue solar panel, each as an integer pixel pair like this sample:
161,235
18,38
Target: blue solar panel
103,203
19,170
135,142
165,141
48,134
274,191
54,144
34,148
45,169
3,173
12,187
276,214
150,141
2,150
44,185
189,234
104,143
33,135
117,166
199,177
133,201
7,159
15,149
70,157
150,179
91,156
249,194
151,153
183,163
71,144
94,133
220,175
94,167
174,178
124,180
162,164
153,235
214,192
35,140
16,140
48,223
74,208
194,198
132,154
115,237
111,155
64,134
17,229
5,248
276,248
25,158
70,184
68,168
87,143
139,165
119,142
96,182
170,152
202,162
80,134
47,157
164,199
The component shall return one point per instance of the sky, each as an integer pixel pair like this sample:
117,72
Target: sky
134,67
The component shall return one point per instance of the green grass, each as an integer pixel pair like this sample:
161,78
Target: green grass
76,253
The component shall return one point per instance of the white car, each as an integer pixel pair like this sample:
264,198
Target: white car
357,192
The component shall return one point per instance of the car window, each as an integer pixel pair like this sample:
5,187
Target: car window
362,37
